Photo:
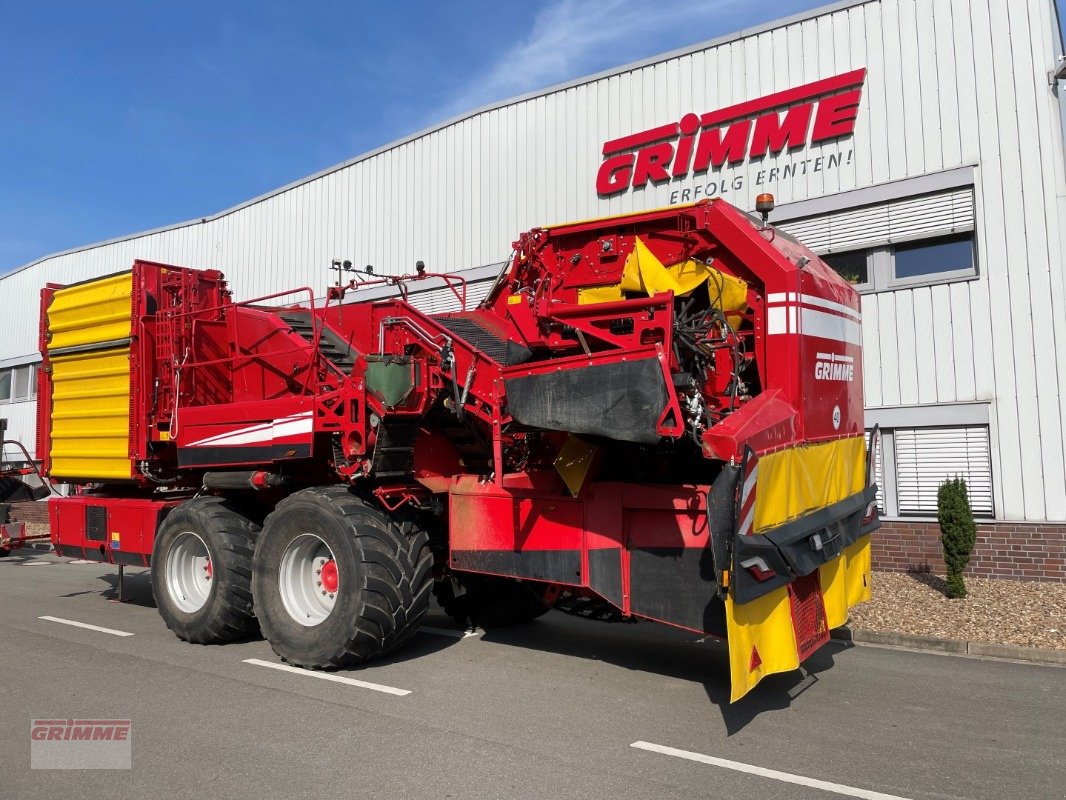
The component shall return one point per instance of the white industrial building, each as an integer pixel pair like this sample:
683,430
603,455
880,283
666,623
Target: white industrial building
918,143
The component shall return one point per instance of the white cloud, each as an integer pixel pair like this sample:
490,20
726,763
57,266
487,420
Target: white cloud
571,38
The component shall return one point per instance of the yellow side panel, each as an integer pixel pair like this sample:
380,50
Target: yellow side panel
598,294
91,414
792,483
761,640
833,578
91,313
858,575
802,479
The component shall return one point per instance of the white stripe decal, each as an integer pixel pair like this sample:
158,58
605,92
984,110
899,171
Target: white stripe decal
811,300
814,323
834,357
829,326
261,432
777,775
775,320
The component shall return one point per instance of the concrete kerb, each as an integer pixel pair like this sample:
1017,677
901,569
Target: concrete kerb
932,644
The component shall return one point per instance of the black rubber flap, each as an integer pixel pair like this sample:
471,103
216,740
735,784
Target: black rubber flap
622,401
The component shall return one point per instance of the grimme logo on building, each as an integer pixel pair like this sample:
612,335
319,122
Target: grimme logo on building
767,126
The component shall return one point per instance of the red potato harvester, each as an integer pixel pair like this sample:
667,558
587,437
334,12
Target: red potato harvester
654,416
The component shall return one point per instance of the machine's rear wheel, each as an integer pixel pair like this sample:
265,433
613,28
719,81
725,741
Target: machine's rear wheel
202,570
489,602
337,581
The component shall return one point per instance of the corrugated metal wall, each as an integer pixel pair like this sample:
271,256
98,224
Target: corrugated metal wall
949,83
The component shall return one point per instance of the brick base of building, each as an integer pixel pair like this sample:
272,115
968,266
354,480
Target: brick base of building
1013,550
31,511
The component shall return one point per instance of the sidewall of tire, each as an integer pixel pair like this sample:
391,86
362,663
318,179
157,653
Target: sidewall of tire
205,624
295,642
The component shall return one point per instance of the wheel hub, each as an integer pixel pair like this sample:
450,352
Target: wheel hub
329,576
308,579
188,572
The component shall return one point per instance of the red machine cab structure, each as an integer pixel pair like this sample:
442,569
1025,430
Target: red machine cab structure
654,416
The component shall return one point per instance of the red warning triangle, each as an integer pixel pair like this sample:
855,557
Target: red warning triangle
756,661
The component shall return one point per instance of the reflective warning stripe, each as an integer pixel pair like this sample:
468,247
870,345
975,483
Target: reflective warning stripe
746,513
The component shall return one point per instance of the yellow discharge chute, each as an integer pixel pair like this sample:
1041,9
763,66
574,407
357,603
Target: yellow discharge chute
793,482
645,274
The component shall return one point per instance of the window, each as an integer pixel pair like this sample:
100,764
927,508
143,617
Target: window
18,383
926,457
852,266
21,384
936,257
914,240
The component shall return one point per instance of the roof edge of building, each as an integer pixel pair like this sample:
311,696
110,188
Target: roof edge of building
717,41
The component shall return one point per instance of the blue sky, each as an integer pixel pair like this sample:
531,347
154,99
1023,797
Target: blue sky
122,116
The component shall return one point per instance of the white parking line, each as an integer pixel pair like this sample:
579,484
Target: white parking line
751,769
86,625
328,676
37,563
448,632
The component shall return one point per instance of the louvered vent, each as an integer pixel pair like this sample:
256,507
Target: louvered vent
897,221
444,301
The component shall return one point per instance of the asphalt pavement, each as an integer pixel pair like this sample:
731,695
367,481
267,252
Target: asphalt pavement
561,707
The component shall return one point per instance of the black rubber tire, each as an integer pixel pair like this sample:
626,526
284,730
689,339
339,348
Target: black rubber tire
230,537
5,552
385,572
490,602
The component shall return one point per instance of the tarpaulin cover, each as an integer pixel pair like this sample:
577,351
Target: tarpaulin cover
791,483
645,274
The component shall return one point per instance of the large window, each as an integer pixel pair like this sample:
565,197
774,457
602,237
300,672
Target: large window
950,255
914,462
907,241
18,383
852,266
935,260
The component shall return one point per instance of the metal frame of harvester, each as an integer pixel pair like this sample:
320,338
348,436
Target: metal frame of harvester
655,416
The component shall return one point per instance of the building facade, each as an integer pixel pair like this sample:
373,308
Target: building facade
916,144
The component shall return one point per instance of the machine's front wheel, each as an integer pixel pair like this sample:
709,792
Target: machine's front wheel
337,581
202,570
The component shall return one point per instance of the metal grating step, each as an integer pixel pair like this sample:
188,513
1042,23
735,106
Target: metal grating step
474,334
330,344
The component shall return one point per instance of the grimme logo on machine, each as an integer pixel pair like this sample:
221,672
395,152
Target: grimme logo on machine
767,126
834,367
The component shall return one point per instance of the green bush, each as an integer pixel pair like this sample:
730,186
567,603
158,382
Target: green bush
958,532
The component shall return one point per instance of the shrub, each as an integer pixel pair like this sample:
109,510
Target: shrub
958,532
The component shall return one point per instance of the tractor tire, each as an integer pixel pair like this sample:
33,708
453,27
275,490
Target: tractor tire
202,571
489,602
337,581
5,552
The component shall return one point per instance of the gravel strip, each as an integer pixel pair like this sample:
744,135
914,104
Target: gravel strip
1026,613
36,528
